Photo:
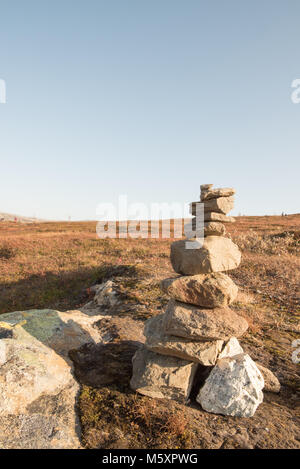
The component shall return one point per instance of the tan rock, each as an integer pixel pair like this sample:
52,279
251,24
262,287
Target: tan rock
159,376
217,254
214,193
194,323
207,290
214,216
106,295
272,383
214,229
205,353
205,187
220,205
211,228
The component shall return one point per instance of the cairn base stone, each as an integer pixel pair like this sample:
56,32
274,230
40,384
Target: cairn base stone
183,320
234,387
159,376
217,254
207,290
205,353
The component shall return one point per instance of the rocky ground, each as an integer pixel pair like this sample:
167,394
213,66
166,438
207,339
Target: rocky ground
53,265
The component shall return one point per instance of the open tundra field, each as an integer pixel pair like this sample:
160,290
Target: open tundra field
54,265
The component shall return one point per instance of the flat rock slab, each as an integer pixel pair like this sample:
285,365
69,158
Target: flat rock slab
214,193
218,217
212,228
207,290
159,376
205,353
234,387
217,254
219,205
37,385
183,320
33,380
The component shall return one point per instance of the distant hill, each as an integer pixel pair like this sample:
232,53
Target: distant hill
18,218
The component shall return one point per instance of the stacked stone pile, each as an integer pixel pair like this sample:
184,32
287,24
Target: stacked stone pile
198,326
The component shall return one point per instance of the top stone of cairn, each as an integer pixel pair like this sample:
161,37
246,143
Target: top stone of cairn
208,193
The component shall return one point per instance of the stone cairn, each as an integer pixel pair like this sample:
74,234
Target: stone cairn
198,327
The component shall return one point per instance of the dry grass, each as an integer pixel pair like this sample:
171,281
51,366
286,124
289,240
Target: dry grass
279,243
114,419
52,265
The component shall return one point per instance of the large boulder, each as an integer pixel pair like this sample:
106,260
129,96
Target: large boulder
183,320
205,353
160,376
37,386
234,387
216,255
207,290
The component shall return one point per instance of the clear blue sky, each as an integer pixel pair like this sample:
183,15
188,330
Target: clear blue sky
148,98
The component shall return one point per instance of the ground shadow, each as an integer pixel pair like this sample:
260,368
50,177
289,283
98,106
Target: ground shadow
63,291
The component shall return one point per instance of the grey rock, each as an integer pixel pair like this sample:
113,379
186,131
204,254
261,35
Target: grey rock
196,323
217,254
234,387
37,385
217,217
272,383
205,353
159,376
231,348
219,205
207,290
212,228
